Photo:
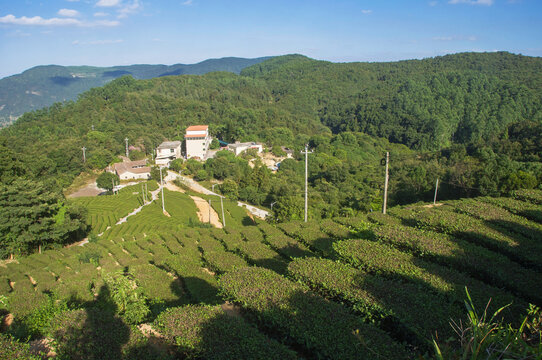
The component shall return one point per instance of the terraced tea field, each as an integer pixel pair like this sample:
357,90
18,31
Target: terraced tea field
370,287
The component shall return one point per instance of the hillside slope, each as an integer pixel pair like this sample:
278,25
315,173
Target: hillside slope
42,86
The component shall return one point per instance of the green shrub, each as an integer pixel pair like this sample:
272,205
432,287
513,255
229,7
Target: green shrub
375,297
10,348
324,329
36,324
206,332
129,301
89,256
97,334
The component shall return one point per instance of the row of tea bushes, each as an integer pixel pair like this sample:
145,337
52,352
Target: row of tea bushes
477,261
421,312
528,195
525,251
206,332
324,329
499,218
384,260
520,208
310,235
283,244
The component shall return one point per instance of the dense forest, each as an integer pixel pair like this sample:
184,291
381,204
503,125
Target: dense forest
472,120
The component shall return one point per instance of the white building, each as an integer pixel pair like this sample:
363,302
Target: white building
132,170
167,152
197,141
238,147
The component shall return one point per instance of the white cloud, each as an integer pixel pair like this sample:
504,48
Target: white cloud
97,42
129,9
366,12
187,3
472,2
433,3
100,14
39,21
108,3
68,13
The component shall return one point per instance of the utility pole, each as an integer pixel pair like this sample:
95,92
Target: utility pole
385,204
435,198
209,211
143,194
162,185
127,153
306,152
223,217
84,154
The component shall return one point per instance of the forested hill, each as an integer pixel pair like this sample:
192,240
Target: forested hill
477,100
42,86
424,104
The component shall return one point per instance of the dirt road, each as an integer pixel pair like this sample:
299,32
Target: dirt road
203,212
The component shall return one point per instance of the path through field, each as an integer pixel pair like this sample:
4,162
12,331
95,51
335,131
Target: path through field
154,197
195,186
203,212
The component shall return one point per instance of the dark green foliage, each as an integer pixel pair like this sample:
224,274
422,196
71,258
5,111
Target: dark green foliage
32,215
98,334
376,298
128,299
207,332
306,318
36,324
479,262
13,349
389,262
106,180
520,249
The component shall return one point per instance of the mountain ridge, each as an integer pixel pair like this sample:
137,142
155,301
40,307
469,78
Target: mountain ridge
43,85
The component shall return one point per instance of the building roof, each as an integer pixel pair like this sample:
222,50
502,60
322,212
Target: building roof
169,144
245,144
135,167
197,128
194,135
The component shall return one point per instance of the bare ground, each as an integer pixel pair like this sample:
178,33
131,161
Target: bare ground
203,212
90,189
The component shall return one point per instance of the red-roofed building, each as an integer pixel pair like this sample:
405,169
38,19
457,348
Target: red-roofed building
197,141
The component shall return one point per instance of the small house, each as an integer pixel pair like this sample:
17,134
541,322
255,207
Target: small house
239,147
167,152
132,170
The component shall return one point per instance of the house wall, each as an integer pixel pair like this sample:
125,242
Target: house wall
197,147
130,175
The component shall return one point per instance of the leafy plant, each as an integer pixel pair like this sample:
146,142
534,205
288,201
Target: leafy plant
484,337
130,302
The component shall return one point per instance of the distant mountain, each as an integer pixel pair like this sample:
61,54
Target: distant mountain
42,86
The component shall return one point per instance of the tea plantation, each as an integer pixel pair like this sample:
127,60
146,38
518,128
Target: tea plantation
369,287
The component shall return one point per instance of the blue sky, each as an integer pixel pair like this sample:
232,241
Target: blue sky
122,32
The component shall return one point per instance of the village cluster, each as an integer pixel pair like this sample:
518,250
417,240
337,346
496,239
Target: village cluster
197,142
